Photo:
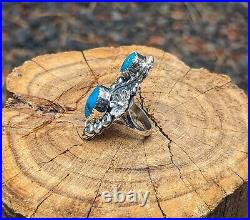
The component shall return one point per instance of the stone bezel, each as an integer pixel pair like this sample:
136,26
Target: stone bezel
136,64
91,101
97,100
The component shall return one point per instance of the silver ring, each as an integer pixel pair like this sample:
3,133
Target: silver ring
115,104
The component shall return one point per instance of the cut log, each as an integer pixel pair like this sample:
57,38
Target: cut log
194,164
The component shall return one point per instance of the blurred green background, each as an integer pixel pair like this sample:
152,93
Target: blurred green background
210,35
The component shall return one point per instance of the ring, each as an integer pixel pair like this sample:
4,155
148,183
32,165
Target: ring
115,104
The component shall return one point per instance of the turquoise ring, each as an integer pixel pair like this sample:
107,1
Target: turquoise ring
106,105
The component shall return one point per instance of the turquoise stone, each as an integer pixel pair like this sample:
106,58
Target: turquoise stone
128,62
91,101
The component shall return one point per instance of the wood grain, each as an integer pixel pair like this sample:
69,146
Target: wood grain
195,160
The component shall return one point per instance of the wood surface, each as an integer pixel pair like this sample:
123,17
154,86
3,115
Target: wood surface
194,164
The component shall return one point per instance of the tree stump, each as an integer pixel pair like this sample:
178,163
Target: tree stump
194,164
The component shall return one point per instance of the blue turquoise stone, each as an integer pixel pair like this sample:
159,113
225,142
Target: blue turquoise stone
91,101
128,62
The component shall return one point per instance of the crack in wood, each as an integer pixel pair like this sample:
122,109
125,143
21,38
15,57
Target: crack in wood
171,155
34,61
90,69
200,170
168,144
44,124
100,183
9,179
179,80
47,195
37,104
152,183
244,181
41,164
195,190
152,167
203,93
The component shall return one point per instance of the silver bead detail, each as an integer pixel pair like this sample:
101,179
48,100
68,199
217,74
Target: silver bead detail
134,90
97,126
150,61
112,87
120,80
89,130
106,120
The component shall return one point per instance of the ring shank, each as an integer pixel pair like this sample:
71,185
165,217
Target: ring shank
136,119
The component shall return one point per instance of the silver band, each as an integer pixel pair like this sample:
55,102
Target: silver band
136,119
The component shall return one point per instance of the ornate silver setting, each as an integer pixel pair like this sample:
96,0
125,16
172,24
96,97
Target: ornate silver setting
114,104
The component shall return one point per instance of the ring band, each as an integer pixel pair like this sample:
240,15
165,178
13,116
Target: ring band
115,104
131,121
